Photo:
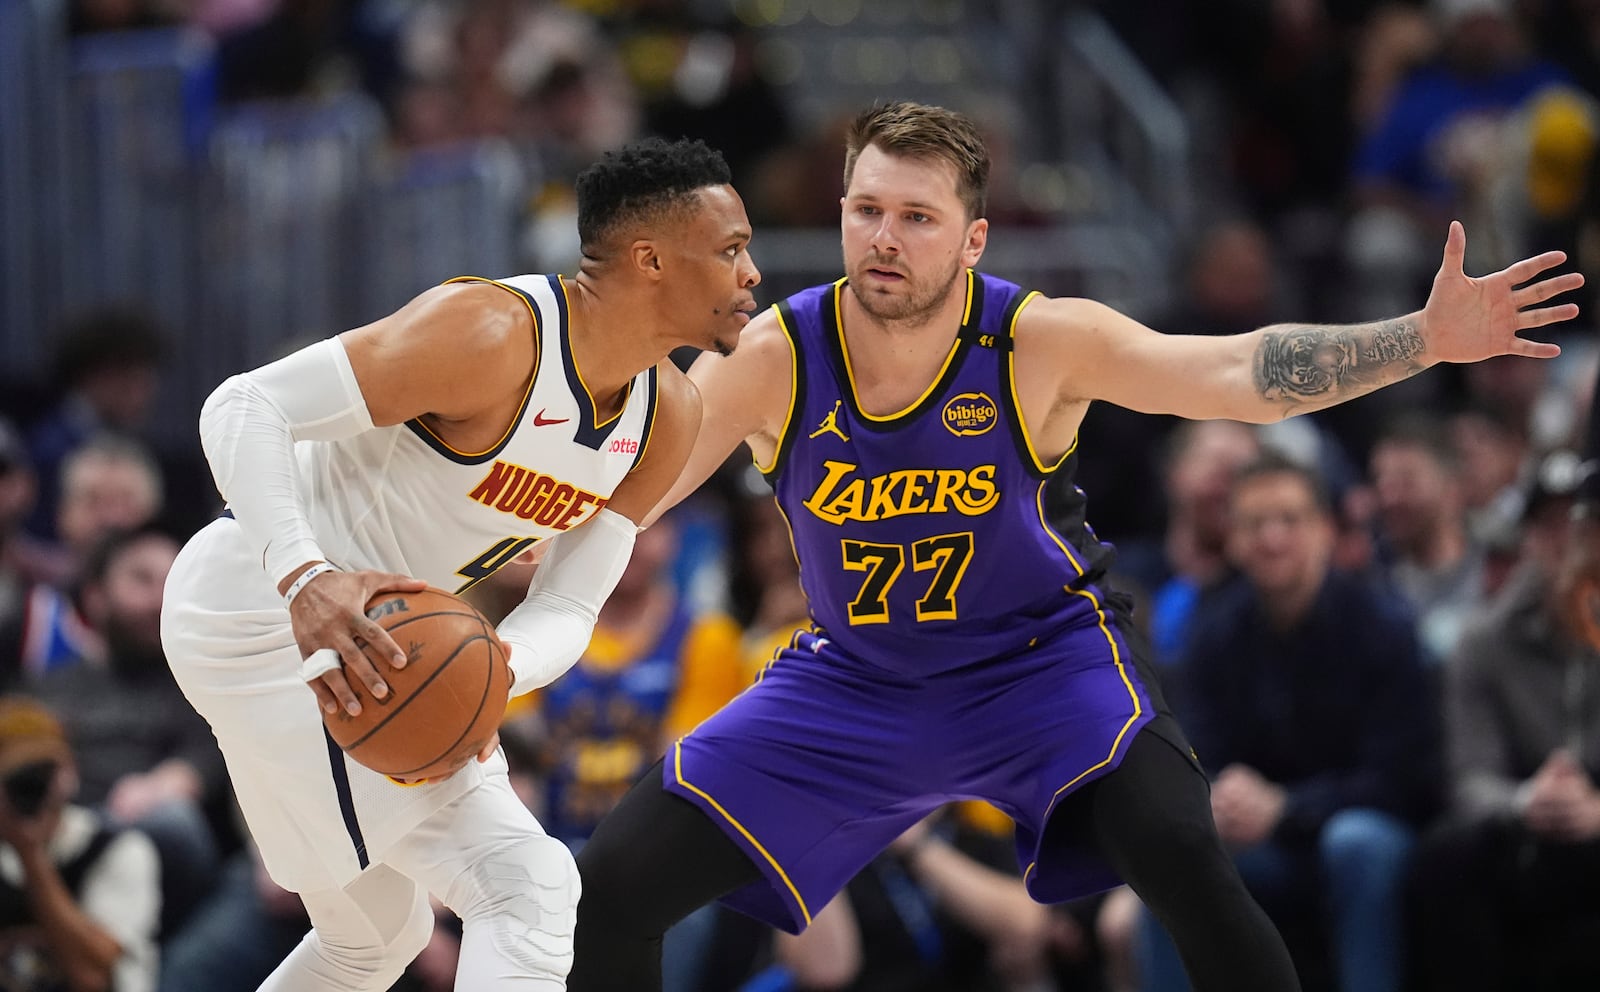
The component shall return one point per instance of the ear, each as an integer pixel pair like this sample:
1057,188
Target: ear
977,241
645,256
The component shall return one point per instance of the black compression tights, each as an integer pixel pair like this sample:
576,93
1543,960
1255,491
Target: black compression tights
657,858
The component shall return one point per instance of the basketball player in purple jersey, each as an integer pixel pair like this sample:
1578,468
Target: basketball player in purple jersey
908,417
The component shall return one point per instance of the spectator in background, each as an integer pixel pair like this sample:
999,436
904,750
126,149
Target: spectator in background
109,484
1317,732
1431,155
79,899
1432,560
107,368
20,565
1505,887
931,915
630,694
1230,286
609,716
1543,189
144,756
1203,457
236,937
1492,451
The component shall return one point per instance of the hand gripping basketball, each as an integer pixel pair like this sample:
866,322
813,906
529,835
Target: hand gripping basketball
445,706
329,615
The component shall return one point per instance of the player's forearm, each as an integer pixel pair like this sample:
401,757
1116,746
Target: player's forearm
548,633
1300,368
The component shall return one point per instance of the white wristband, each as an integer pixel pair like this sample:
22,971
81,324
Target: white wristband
305,579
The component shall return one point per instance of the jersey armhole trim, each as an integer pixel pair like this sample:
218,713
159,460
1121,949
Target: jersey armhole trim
1019,427
437,443
652,397
797,392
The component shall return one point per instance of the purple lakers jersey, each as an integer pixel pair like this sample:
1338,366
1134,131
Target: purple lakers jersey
922,536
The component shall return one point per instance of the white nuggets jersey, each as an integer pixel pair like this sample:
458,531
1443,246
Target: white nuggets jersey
394,499
401,499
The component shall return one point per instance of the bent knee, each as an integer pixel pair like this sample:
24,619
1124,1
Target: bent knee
526,895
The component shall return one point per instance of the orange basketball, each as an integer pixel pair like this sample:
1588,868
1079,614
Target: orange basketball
444,705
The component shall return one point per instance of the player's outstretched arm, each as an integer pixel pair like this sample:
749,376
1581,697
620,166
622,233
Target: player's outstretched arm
1286,369
446,352
548,632
744,397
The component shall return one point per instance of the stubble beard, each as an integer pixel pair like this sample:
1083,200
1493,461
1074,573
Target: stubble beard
915,308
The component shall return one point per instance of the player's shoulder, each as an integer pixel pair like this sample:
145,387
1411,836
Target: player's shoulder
766,334
677,397
1049,322
485,314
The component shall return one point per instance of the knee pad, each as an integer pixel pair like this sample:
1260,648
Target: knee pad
525,896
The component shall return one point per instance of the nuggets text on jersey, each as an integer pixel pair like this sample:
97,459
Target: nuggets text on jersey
528,495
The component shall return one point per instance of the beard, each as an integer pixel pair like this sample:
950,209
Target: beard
917,306
131,650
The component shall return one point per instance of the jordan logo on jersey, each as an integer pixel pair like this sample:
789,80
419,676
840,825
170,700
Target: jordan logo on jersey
546,501
969,414
830,424
838,497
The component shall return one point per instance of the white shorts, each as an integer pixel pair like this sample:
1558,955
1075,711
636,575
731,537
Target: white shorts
318,817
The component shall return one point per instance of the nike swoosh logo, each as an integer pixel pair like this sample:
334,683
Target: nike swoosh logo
540,421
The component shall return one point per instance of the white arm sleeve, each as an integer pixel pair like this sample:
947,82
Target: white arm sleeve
550,630
248,427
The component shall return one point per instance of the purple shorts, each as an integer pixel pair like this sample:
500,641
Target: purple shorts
826,759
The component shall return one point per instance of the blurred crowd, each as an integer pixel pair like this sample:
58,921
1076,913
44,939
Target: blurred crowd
1351,610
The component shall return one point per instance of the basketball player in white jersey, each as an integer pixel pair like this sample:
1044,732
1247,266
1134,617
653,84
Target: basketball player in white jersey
432,447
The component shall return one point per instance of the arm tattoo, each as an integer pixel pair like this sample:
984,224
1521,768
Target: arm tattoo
1303,365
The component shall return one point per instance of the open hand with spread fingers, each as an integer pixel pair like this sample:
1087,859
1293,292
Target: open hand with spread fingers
1469,320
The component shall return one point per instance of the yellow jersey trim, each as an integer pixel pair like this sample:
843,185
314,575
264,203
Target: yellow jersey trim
1016,400
850,372
527,394
572,353
677,770
1066,548
794,397
1138,711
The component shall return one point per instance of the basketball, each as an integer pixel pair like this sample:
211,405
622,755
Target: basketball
444,705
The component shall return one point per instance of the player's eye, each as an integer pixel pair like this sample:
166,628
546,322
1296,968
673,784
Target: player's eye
918,218
868,209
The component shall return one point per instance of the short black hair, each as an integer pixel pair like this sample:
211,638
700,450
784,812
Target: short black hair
110,548
643,181
104,338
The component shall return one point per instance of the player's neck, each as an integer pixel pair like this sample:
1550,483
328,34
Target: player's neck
610,343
